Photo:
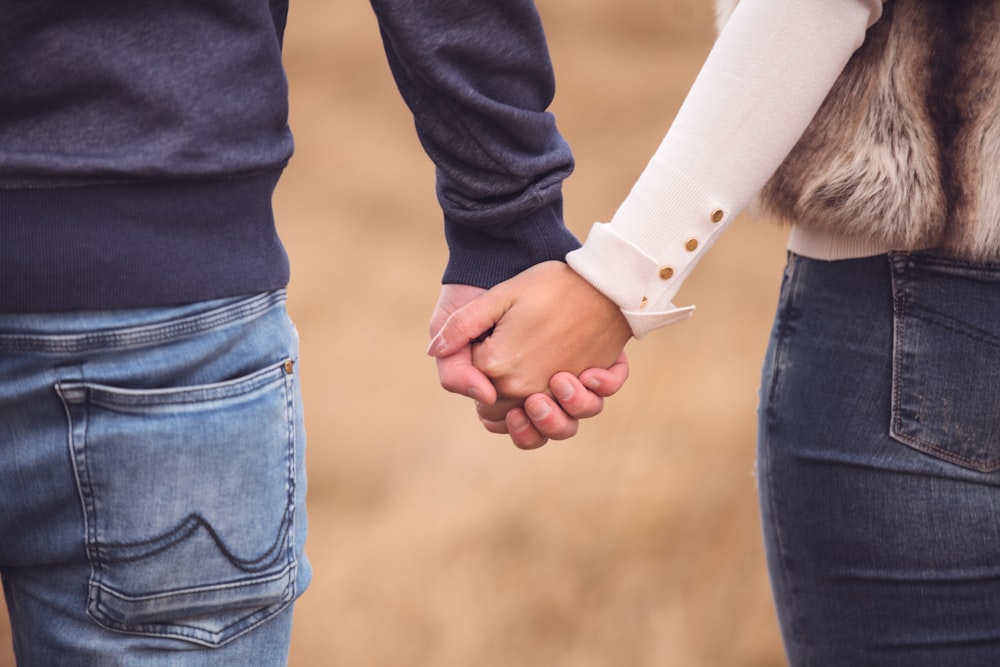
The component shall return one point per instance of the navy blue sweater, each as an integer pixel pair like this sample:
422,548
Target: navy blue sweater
141,141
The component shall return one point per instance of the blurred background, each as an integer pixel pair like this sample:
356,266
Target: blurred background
434,543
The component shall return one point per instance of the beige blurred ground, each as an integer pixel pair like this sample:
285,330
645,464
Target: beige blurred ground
435,544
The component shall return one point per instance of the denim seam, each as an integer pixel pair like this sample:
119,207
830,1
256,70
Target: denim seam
193,634
782,332
280,574
81,471
929,447
140,336
117,398
945,322
899,325
952,262
290,379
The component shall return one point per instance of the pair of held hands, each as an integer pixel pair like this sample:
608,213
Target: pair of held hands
555,351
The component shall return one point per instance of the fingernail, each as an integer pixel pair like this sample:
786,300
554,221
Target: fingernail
516,421
474,394
592,383
563,390
437,344
537,409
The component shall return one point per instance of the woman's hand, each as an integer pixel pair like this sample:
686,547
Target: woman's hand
524,331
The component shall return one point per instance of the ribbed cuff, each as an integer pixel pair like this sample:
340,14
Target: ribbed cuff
486,255
620,271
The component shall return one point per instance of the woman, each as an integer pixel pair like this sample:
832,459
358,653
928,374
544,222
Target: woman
871,128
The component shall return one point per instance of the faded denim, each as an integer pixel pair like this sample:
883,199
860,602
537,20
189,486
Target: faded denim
152,484
878,454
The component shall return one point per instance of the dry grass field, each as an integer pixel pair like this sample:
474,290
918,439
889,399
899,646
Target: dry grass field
436,544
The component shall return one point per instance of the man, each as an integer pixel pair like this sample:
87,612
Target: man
152,479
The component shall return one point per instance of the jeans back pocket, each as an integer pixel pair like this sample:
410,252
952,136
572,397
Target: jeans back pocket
189,497
946,359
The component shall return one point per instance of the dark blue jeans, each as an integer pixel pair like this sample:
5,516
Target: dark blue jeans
879,450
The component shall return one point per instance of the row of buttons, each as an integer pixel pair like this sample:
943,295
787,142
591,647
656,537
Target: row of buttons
667,272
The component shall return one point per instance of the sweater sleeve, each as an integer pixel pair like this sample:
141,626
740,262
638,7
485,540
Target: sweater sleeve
478,79
766,76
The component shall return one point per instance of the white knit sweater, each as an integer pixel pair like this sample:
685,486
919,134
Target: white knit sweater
769,71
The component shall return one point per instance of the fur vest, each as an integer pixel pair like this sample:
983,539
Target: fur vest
905,150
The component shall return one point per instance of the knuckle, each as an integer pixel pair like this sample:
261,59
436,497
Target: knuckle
520,388
566,432
533,442
511,388
453,382
463,322
489,362
451,385
588,409
493,413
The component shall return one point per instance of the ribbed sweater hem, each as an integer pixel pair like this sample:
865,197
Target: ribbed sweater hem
138,244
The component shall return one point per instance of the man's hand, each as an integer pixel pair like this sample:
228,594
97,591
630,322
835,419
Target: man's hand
543,321
455,369
545,417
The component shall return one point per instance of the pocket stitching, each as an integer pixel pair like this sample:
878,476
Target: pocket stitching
280,552
986,465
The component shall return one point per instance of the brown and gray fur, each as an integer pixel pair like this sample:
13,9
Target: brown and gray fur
906,147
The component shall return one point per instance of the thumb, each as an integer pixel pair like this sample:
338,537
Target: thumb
473,320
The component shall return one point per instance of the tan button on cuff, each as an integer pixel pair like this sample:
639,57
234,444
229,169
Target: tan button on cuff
641,259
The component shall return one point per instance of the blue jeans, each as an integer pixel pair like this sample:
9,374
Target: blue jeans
152,485
878,459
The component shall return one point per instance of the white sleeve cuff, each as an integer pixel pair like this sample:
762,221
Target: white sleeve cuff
619,270
640,259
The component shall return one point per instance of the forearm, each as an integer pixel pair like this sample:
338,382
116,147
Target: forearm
767,75
478,79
